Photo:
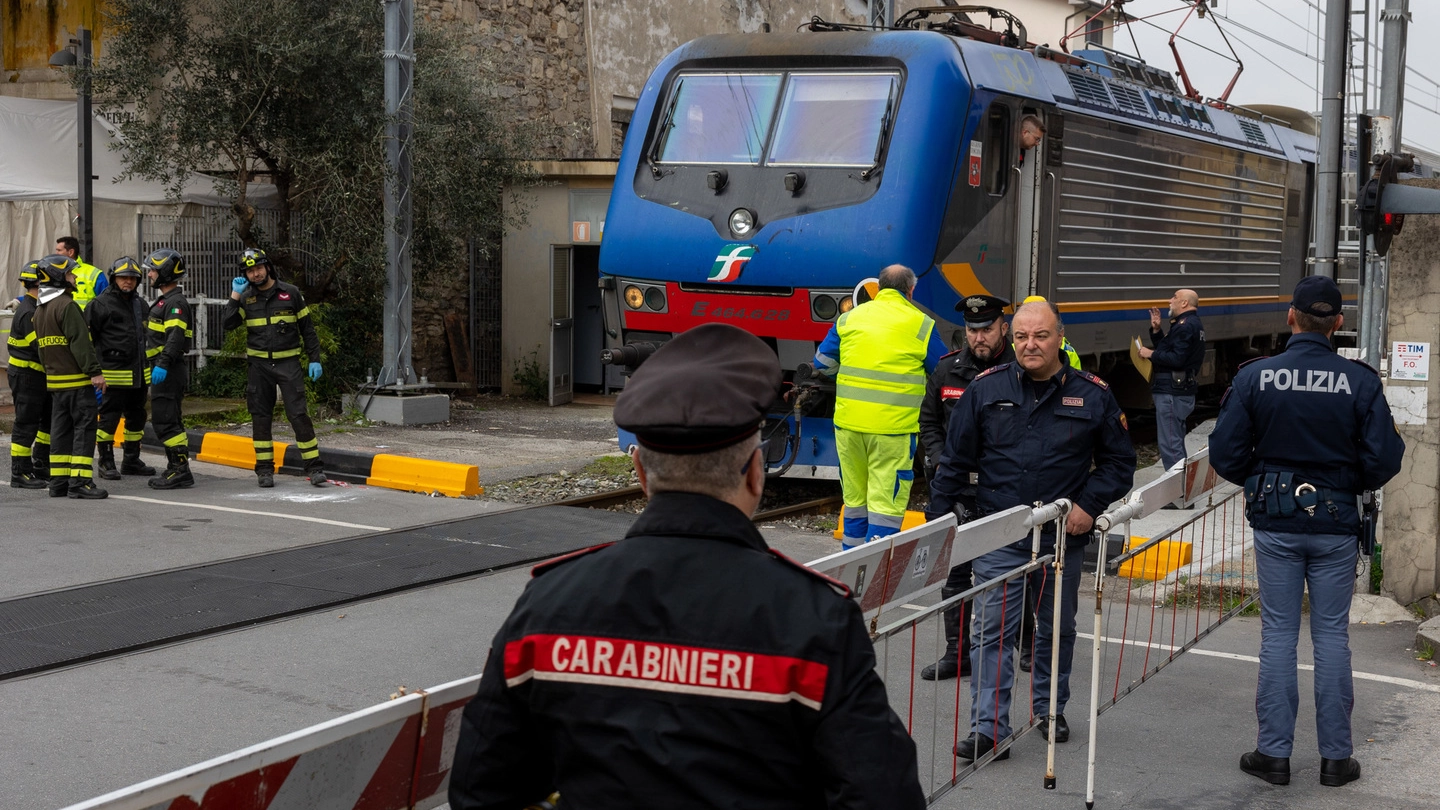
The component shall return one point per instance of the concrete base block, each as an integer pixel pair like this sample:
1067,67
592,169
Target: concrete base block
1369,608
419,409
1429,635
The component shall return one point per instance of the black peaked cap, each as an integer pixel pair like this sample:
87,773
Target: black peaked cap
705,390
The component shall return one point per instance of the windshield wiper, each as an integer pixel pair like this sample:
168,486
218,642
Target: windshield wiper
884,135
662,133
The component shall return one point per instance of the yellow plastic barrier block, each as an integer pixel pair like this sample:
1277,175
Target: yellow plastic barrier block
424,475
910,521
1157,561
233,451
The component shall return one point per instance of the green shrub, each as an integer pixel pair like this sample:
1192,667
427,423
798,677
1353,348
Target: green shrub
530,378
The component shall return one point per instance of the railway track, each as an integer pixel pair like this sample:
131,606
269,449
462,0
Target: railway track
616,497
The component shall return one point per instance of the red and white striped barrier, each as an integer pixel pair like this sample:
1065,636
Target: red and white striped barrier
392,756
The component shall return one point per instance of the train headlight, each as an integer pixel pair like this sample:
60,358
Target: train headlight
655,298
742,222
634,297
846,305
823,308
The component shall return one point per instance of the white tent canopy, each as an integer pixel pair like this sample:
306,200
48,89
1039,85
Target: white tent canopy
38,160
38,192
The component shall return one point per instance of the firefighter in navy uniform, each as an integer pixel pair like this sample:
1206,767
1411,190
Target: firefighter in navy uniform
1305,432
687,665
1035,431
169,331
72,373
30,438
276,323
987,344
117,327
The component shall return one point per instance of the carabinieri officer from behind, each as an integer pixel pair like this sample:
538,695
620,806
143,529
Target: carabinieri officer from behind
1305,432
687,665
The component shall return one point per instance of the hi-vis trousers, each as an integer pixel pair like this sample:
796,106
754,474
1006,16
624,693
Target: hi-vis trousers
876,472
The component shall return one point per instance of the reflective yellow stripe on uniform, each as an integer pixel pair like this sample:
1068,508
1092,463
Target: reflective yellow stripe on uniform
19,451
124,378
134,435
280,355
264,451
66,380
30,364
257,322
101,436
42,437
21,342
151,352
178,440
310,449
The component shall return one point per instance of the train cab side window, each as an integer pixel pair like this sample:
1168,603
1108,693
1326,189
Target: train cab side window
999,149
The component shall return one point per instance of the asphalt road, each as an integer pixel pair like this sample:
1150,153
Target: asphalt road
72,734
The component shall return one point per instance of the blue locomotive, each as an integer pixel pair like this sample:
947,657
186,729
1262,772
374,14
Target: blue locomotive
766,175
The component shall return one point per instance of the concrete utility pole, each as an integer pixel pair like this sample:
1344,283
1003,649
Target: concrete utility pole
1394,21
399,58
1332,125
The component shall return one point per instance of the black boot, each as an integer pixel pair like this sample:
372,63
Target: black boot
131,464
177,473
1275,770
22,474
86,489
106,452
956,660
1337,772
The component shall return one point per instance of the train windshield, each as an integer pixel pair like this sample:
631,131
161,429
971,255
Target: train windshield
834,119
719,118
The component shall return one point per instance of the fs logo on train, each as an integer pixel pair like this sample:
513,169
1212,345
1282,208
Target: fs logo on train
730,262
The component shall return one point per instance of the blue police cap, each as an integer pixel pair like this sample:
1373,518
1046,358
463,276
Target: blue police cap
705,390
1318,296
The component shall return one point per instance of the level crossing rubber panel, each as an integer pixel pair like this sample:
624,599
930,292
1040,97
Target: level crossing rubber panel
89,622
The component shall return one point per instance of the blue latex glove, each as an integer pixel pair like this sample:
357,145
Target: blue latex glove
157,375
99,395
238,284
315,371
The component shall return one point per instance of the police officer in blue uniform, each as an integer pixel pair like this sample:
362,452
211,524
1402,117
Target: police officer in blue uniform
987,344
1305,432
1035,430
687,665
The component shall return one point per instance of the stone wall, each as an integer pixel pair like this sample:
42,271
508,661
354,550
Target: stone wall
540,57
1411,516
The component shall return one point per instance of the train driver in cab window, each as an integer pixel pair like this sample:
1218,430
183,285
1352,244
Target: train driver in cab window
1032,131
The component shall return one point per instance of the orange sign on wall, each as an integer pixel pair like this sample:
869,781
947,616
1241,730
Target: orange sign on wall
580,231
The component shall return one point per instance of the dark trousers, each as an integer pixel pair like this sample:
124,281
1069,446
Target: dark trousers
996,628
32,416
165,399
287,377
957,644
126,402
72,436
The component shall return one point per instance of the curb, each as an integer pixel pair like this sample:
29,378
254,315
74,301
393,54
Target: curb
1428,634
377,470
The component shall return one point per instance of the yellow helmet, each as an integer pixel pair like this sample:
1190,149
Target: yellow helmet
1033,299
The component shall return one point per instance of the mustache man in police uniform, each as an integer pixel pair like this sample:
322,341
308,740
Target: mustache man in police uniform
987,344
687,665
1032,430
1305,432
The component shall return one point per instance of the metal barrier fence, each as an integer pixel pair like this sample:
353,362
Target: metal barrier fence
398,754
212,251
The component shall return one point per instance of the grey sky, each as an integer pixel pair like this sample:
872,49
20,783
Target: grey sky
1290,26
